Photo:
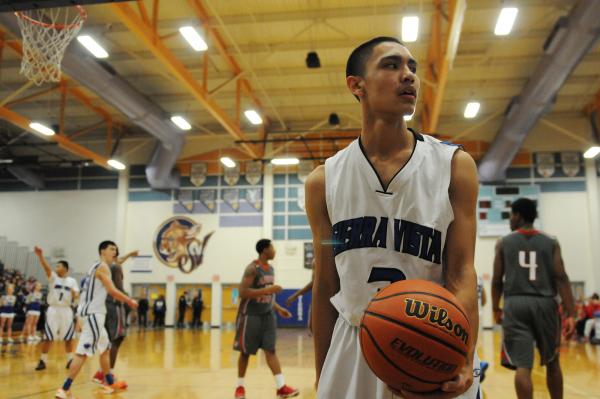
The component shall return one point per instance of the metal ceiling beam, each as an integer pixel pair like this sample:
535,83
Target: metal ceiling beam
163,54
440,57
64,142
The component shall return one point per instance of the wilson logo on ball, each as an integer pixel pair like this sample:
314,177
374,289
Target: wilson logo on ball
435,315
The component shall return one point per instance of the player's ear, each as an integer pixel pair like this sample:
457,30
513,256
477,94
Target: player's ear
356,85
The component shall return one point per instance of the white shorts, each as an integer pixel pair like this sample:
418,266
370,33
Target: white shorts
59,324
7,315
33,313
346,375
94,337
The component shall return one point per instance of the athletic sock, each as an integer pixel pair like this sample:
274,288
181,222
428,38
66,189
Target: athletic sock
69,356
279,381
240,382
67,385
109,379
44,357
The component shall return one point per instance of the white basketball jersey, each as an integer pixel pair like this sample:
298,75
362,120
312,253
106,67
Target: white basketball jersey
385,234
59,290
94,294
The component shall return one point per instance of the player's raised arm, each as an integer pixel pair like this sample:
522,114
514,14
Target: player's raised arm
459,269
326,282
40,254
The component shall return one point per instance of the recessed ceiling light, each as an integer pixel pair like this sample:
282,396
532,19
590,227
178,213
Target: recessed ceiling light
471,110
285,161
408,117
410,29
228,162
181,122
92,46
253,117
591,152
45,130
118,165
505,21
192,36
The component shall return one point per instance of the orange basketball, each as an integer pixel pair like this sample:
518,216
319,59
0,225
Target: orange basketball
415,335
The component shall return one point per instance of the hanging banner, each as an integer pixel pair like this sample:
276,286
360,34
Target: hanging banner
254,197
231,196
208,198
304,169
545,164
186,199
232,175
570,163
198,174
253,172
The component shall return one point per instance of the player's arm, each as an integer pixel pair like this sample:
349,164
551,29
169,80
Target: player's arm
459,265
103,274
283,312
497,282
292,298
40,254
122,260
563,286
326,282
246,290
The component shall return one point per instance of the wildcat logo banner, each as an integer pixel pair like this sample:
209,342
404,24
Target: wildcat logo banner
176,244
253,172
232,175
231,196
198,174
254,197
570,163
208,198
545,164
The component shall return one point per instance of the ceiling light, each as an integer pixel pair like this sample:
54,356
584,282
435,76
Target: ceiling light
591,152
192,36
471,110
116,164
92,46
181,122
285,161
6,161
410,29
45,130
228,162
505,22
253,117
408,117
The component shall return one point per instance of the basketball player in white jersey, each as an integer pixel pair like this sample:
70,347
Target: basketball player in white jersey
92,308
59,326
393,205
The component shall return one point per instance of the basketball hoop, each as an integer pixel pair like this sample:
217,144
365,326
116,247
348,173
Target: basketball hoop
46,35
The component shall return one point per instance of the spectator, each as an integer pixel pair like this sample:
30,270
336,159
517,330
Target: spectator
182,307
143,312
197,306
160,309
592,313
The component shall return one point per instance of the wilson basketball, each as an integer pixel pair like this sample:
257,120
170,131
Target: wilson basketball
415,335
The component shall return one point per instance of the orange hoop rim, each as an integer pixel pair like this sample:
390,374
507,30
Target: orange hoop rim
27,18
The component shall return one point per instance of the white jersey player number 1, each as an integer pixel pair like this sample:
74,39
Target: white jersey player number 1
531,265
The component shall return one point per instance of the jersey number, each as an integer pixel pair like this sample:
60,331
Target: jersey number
532,265
60,297
386,274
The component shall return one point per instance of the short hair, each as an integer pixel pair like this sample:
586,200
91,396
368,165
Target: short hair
355,66
105,244
64,263
526,208
595,296
262,244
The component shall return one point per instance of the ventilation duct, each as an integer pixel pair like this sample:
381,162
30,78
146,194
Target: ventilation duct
569,41
116,91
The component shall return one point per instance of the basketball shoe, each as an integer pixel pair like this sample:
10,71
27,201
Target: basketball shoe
287,392
240,393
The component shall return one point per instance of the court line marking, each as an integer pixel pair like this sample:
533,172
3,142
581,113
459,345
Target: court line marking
569,387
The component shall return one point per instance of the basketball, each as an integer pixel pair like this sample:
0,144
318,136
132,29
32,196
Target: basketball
415,335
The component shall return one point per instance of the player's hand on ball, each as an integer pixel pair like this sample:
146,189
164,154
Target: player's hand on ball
450,389
286,314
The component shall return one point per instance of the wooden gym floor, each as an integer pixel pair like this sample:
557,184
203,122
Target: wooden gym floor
202,365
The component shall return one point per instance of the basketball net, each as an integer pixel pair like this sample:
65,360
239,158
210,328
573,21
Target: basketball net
46,35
